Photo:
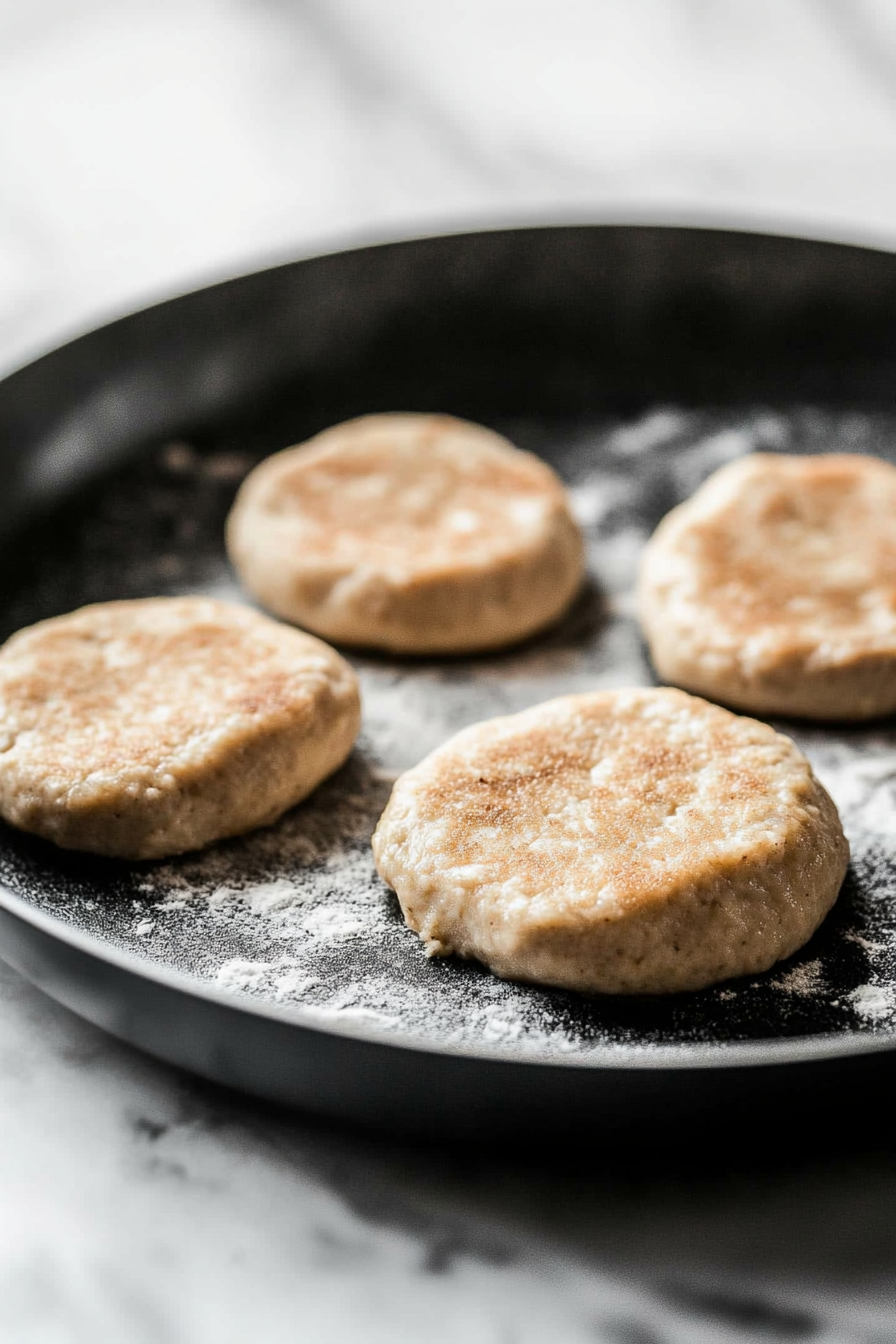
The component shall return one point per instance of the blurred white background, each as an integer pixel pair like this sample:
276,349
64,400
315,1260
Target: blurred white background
146,145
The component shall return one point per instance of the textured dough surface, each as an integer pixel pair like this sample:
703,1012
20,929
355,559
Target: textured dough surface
620,842
774,588
146,728
409,533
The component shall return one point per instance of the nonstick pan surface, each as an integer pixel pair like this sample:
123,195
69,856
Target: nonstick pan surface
636,360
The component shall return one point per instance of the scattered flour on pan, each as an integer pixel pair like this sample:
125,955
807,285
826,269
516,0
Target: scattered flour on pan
498,1026
281,979
345,1009
594,498
485,1016
860,776
658,429
267,898
804,980
874,1003
866,944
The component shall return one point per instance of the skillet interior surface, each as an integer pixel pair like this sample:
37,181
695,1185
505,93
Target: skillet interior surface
635,360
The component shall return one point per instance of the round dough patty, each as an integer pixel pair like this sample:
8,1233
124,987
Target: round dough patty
143,729
774,588
620,842
409,533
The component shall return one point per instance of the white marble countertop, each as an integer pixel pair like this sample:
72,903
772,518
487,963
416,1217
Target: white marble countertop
147,146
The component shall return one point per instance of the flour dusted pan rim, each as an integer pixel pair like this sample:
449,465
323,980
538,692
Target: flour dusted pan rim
735,1054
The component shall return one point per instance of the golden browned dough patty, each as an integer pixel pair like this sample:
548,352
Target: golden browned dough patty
774,588
623,842
142,729
410,533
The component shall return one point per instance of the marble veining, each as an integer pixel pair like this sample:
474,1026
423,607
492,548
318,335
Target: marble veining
143,1205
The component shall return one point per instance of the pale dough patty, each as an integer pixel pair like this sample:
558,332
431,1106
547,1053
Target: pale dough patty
409,533
774,588
621,842
142,729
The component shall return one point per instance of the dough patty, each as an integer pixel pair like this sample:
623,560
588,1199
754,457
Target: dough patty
142,729
619,842
409,533
774,588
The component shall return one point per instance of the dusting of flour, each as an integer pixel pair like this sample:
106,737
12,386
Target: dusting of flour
874,1003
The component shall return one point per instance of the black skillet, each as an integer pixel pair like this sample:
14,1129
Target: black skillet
636,359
